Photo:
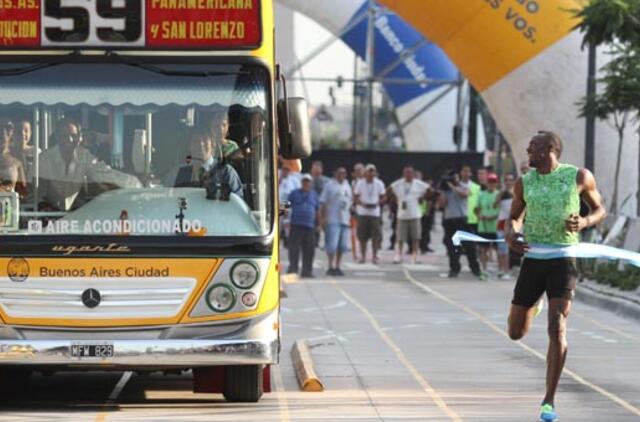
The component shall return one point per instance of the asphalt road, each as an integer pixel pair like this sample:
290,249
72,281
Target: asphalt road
391,343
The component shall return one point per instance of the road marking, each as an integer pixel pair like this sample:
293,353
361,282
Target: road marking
122,382
628,406
433,394
591,320
283,404
605,326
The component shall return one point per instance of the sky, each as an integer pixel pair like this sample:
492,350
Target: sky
336,60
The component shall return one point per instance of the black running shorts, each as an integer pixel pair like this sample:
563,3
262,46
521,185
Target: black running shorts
556,277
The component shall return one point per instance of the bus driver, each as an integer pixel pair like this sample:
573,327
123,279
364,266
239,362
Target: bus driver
67,167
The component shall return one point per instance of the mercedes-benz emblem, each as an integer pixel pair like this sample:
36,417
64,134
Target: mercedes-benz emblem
91,298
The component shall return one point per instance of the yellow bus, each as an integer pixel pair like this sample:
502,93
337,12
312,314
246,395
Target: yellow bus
138,188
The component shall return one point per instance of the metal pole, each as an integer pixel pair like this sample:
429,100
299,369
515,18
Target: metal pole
590,131
370,58
354,116
459,114
499,140
35,173
472,143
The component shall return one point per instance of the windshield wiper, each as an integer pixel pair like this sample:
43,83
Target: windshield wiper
18,71
166,72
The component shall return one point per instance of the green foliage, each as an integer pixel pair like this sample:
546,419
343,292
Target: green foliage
621,82
627,279
609,21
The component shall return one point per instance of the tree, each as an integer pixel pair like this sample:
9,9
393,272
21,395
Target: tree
616,24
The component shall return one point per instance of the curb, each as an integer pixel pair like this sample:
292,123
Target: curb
303,365
616,304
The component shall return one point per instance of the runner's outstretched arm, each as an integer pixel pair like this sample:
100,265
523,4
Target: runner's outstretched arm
513,236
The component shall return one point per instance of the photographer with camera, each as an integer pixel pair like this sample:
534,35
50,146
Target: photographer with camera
407,193
453,201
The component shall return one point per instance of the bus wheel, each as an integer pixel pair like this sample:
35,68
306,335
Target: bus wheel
243,384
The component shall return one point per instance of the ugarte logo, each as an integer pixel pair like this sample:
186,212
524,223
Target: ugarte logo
18,269
72,249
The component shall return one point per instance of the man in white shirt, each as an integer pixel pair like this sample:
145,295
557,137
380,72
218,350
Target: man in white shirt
369,196
335,217
408,192
68,168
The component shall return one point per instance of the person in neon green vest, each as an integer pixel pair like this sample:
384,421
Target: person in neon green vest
548,198
472,199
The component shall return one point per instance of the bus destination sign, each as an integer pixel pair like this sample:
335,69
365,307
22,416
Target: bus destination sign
154,24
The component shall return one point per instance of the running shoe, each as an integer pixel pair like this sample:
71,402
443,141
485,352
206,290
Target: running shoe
539,308
548,413
338,272
397,259
483,276
453,274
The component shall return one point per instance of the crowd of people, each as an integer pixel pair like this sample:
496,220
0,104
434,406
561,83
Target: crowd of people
347,214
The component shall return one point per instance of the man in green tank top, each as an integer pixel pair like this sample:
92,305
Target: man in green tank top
548,198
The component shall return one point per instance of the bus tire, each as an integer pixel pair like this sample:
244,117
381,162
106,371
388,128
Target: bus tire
243,384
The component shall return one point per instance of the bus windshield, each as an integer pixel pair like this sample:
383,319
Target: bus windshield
124,149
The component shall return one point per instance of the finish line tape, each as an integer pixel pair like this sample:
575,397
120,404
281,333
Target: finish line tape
581,250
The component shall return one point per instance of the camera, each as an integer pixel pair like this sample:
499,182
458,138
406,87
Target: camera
449,178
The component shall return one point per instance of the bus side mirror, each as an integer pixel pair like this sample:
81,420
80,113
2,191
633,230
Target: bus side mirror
293,128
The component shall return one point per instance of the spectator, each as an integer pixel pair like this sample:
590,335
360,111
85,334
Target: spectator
481,175
335,203
304,208
319,182
472,199
453,200
319,179
356,175
408,192
289,182
488,211
369,196
504,203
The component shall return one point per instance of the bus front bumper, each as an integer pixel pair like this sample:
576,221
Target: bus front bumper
140,353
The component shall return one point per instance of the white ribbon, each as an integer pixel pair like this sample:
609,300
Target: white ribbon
581,250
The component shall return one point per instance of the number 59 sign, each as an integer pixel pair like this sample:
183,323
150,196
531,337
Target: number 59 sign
180,24
93,22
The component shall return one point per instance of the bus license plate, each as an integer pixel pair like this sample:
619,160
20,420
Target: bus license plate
92,350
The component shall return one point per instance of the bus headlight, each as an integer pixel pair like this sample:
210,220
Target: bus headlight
221,298
244,274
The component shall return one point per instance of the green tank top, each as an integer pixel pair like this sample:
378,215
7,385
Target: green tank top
551,199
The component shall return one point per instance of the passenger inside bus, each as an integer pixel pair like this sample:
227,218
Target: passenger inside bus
67,169
202,166
12,174
230,150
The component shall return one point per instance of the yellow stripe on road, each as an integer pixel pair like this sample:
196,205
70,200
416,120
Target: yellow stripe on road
628,406
584,317
431,392
283,404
